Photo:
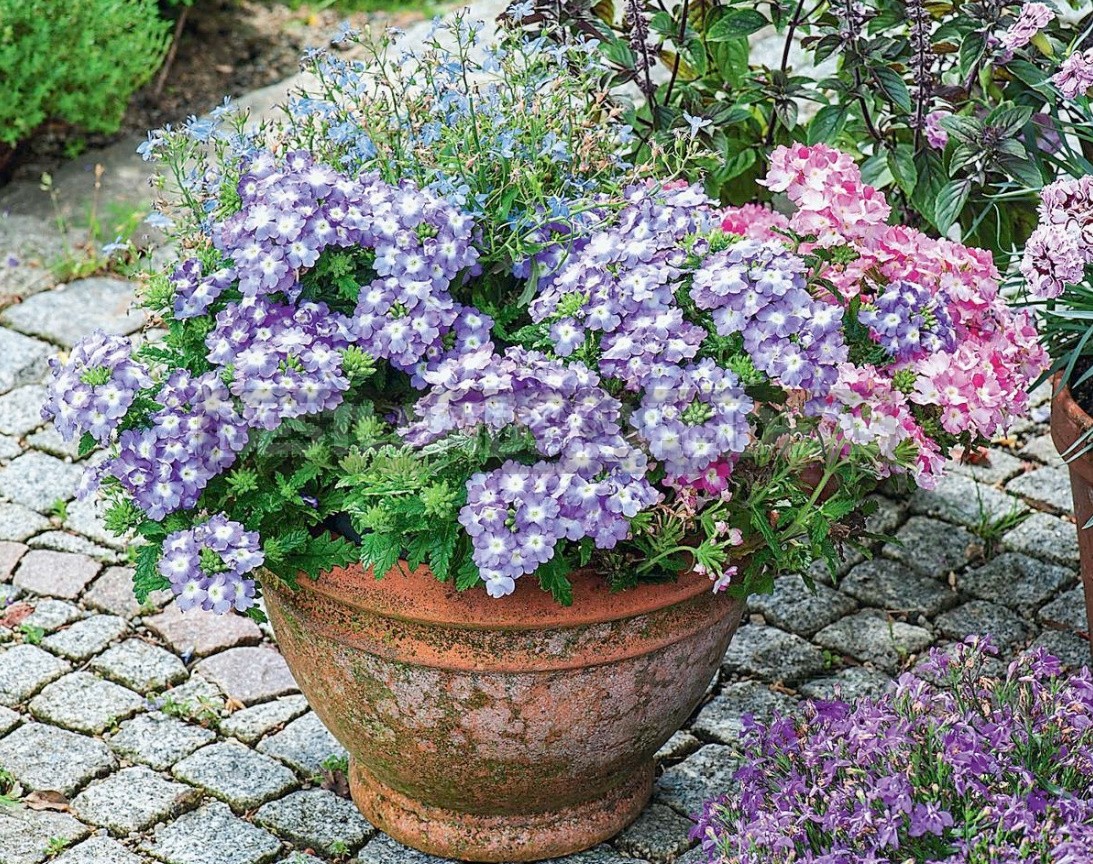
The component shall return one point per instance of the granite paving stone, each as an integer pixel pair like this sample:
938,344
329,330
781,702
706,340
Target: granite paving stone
196,697
1042,448
871,637
157,740
50,614
39,481
250,724
708,772
890,585
772,654
721,719
99,849
1017,581
18,522
45,757
201,633
56,574
1045,488
659,834
888,516
9,719
1072,650
21,410
1066,612
300,858
981,617
141,666
9,448
304,745
26,669
212,835
694,856
318,819
29,836
1044,536
10,553
933,548
236,774
69,312
792,606
64,541
86,518
963,501
113,592
991,468
249,675
87,637
49,440
384,850
133,799
85,703
849,683
22,359
602,854
679,746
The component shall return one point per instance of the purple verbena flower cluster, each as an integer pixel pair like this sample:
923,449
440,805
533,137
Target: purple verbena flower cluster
952,767
691,416
196,434
286,361
94,390
910,321
621,284
206,565
516,514
758,289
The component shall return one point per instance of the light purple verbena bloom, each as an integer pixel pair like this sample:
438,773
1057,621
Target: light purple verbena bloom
593,488
953,766
94,389
909,321
206,565
195,435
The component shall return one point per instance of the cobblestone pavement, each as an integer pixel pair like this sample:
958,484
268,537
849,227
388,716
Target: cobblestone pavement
137,734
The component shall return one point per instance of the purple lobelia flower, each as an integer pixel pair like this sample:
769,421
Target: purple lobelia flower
207,565
952,766
93,391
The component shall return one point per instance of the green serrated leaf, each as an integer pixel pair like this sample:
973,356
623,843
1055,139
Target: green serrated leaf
87,444
467,576
553,576
381,552
146,576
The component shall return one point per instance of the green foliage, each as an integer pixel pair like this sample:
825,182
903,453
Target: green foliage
77,61
872,105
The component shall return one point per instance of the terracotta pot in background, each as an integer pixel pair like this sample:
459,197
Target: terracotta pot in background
1068,423
500,730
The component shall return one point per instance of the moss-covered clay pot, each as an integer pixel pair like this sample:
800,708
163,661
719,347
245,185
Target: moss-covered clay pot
500,730
1069,423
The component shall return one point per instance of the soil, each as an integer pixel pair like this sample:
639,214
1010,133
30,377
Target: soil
227,47
1083,393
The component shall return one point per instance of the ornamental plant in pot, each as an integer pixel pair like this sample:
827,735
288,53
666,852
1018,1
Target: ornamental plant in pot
503,428
1055,273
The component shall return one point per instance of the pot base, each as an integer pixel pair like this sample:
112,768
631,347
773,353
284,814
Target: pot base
513,837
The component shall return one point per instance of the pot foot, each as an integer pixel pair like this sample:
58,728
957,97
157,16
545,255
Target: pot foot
511,837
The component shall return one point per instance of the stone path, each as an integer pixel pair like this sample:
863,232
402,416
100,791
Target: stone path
138,734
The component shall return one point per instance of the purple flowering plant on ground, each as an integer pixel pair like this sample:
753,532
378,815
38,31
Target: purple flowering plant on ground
432,316
952,766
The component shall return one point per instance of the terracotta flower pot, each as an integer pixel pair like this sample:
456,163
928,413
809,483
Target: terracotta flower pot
500,730
1068,423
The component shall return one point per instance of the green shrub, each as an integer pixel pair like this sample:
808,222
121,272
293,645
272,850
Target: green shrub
74,60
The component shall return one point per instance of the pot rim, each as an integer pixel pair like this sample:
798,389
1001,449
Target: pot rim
1069,422
418,596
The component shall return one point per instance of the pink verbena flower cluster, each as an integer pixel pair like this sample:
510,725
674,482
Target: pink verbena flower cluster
971,383
1062,244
